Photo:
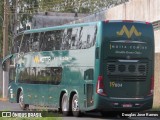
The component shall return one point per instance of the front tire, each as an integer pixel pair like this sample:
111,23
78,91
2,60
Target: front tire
75,106
22,105
65,105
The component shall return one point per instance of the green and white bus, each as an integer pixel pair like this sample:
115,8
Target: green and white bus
102,66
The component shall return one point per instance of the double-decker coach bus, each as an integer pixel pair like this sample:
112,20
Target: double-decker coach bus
102,66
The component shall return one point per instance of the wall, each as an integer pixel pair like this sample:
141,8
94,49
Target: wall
141,10
157,81
157,40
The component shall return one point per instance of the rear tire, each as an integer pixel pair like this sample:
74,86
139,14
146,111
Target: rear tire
75,106
65,105
22,105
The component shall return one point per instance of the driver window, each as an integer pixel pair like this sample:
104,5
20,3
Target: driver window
12,74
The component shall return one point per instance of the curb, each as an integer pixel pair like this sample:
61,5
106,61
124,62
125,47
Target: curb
3,99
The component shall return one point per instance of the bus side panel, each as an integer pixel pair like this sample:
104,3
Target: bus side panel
97,65
12,92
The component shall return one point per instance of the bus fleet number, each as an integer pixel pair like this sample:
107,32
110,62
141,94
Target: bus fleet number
113,84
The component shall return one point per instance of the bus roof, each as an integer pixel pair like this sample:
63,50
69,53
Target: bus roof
76,25
58,27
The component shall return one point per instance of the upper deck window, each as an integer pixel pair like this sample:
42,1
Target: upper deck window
79,38
17,42
66,39
25,43
51,40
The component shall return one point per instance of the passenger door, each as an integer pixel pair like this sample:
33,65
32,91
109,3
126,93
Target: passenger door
88,90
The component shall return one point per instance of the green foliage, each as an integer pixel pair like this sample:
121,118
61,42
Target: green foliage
22,11
80,6
1,26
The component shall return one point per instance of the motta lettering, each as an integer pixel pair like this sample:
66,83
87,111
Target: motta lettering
38,59
44,59
130,32
131,47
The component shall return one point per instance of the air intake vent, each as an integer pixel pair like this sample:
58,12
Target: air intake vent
142,68
131,68
121,68
127,70
111,68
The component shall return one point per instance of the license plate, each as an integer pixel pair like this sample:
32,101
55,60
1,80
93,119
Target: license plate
127,105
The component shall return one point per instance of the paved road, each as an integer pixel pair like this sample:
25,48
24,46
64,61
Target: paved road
6,106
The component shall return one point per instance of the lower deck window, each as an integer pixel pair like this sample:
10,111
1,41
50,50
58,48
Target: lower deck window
47,75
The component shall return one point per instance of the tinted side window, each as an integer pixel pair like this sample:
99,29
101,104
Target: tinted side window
41,41
79,38
57,39
12,74
88,37
56,74
25,43
24,76
17,42
66,39
48,41
51,40
35,42
49,75
32,75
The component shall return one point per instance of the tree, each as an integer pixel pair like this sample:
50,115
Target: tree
1,26
22,11
81,6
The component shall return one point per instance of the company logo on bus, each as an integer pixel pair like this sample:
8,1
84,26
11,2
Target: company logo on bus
36,59
130,32
45,59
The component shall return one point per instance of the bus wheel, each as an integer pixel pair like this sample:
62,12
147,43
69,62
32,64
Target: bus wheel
23,106
65,105
75,106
